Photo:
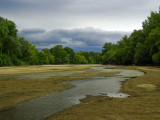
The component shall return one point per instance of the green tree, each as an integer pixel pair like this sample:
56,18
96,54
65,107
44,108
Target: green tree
59,53
43,59
153,40
49,55
5,60
107,47
141,56
70,55
80,59
67,59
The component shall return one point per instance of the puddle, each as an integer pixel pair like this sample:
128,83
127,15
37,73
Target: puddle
43,107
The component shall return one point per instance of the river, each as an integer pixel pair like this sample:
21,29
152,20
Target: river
43,107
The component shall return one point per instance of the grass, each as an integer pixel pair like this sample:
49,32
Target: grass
144,103
15,91
16,70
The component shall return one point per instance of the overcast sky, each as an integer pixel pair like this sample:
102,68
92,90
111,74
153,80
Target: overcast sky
80,24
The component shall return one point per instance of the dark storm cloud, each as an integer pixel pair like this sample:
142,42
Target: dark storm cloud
88,39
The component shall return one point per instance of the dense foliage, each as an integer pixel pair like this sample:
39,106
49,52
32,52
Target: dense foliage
15,50
142,47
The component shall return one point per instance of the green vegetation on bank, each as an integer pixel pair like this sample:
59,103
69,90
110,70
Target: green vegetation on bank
15,50
142,47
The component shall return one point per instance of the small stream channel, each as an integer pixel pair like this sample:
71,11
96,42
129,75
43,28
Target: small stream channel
43,107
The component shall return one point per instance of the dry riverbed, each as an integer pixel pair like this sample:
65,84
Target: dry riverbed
144,103
18,90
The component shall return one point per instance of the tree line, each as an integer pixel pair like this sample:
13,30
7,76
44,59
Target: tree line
142,47
15,50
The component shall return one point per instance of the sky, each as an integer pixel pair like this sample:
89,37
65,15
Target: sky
84,25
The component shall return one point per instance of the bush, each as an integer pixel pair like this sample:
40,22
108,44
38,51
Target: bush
17,61
5,60
156,58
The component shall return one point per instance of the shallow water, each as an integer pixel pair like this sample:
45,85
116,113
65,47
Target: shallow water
43,107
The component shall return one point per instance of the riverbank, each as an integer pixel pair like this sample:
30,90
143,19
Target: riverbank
144,103
19,90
